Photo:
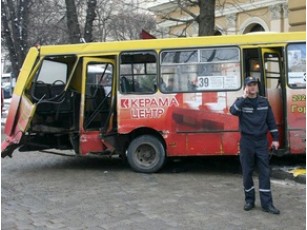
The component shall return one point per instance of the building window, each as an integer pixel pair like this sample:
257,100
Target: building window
254,27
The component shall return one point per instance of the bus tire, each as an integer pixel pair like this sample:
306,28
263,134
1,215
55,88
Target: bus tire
146,154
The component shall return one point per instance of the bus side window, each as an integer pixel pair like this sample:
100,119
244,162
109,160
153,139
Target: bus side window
203,69
296,60
138,72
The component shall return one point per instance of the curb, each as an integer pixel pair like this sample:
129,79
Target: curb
281,174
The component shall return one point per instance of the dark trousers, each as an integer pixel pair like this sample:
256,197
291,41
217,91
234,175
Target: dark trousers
254,152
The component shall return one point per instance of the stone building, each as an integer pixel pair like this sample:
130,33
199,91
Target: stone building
297,15
236,17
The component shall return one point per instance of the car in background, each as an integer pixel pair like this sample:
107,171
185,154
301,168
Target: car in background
2,101
7,85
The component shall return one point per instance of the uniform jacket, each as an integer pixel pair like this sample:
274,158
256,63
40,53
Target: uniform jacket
255,119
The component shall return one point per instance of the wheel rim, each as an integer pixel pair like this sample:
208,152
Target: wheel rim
146,156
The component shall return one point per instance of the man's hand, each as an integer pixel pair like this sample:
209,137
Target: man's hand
275,145
245,93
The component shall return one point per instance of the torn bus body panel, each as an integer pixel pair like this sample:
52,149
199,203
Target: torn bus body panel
21,108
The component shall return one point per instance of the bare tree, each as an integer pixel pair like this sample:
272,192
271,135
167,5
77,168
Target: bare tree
202,12
122,20
15,15
128,23
90,17
47,23
104,13
205,18
75,12
72,21
26,23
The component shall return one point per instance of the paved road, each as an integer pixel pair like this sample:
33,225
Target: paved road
43,191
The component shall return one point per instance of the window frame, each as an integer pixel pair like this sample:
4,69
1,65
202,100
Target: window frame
152,52
197,63
44,79
50,58
287,65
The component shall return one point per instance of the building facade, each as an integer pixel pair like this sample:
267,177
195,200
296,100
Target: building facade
297,15
235,17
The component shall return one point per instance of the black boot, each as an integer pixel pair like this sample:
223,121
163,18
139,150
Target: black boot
249,206
271,209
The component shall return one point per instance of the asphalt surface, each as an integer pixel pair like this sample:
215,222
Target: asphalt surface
44,191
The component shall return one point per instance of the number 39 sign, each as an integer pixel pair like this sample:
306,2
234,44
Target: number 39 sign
210,82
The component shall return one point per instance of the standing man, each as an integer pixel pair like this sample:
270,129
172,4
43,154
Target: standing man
255,120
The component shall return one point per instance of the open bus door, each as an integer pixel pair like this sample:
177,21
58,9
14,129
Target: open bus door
266,64
97,106
274,88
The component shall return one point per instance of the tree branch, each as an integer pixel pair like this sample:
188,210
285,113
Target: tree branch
7,35
177,19
185,9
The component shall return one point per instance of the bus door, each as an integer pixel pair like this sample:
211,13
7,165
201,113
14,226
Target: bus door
274,83
97,104
265,64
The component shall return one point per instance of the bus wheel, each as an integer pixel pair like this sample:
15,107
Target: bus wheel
146,154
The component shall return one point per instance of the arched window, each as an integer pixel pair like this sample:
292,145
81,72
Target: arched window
254,27
217,33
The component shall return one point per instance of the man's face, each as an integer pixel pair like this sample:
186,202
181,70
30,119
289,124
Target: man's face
252,88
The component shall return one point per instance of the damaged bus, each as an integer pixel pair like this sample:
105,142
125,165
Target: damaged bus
148,100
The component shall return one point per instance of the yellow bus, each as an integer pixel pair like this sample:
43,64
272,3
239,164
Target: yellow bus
148,100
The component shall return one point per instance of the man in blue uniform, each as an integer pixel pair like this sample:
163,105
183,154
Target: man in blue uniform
255,120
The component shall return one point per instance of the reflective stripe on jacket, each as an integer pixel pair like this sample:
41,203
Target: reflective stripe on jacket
255,119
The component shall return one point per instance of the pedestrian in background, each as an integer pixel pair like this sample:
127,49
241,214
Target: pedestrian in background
255,120
170,85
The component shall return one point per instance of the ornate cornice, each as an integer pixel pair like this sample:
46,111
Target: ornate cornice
276,11
231,20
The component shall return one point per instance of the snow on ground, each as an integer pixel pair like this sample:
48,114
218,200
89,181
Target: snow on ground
5,111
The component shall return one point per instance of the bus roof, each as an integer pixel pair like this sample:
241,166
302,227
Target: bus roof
157,44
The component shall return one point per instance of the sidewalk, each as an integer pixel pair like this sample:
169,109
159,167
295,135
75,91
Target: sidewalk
295,173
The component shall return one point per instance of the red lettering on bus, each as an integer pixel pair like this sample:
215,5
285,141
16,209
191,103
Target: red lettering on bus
146,113
124,103
149,102
134,103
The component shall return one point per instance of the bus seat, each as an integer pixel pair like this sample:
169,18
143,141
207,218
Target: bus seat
66,106
56,90
40,91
